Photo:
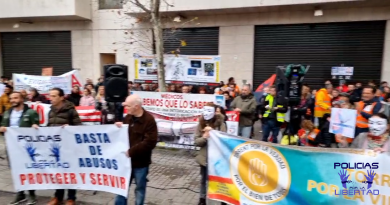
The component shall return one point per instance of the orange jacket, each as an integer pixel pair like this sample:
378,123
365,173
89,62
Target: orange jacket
362,122
322,104
307,140
4,103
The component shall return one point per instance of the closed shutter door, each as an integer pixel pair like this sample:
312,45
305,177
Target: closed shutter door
200,41
29,52
322,46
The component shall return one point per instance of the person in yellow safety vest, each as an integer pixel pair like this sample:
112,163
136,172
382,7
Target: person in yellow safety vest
322,103
274,114
369,106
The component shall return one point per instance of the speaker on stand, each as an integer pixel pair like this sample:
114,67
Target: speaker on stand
115,83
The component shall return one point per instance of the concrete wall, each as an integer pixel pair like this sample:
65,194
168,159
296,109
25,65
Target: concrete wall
186,5
106,34
44,8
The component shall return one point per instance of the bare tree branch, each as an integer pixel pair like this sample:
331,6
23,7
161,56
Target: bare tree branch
168,4
141,6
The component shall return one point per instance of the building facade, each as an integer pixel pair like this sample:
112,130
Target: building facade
252,36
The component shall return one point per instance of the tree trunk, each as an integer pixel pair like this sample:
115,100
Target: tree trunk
158,37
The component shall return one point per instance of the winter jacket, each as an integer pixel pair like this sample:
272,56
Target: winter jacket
87,101
29,117
74,98
143,139
67,114
39,98
375,110
322,103
248,107
354,96
201,142
359,92
4,103
278,101
227,104
302,108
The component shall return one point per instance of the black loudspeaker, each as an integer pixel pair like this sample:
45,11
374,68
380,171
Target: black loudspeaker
115,83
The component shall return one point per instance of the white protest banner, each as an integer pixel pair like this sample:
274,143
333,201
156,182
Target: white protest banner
42,83
88,114
343,121
183,69
73,157
177,115
75,78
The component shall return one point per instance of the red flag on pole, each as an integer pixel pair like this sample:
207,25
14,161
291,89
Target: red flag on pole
266,83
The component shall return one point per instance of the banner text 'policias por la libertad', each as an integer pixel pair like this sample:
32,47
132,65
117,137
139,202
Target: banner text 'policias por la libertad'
244,171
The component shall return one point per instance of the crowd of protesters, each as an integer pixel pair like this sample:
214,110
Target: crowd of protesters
305,123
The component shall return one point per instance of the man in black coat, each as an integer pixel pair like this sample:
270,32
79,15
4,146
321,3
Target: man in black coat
354,94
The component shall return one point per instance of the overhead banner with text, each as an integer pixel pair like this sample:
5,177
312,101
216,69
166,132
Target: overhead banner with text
73,157
177,115
249,172
42,83
182,69
75,78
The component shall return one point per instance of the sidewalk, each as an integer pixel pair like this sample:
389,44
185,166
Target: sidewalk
173,180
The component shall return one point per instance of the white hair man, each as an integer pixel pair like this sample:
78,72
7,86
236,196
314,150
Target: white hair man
245,104
143,139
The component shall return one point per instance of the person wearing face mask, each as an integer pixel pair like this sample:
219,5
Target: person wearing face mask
377,138
207,122
366,108
245,104
274,109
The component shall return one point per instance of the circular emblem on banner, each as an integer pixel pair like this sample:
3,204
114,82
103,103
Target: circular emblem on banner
260,172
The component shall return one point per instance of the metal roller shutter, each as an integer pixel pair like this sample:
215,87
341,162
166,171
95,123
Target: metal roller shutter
357,44
29,52
200,41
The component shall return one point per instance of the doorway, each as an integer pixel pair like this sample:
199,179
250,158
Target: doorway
107,59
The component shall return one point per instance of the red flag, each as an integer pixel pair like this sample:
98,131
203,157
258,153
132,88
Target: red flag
266,83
